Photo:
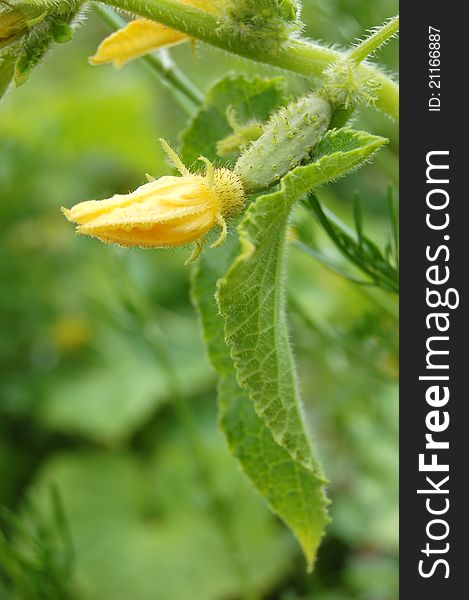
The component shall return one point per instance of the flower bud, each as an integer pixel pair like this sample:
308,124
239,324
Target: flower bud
266,23
288,139
170,211
141,36
13,25
136,39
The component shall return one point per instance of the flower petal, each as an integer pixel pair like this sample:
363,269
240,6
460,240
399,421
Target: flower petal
159,196
171,211
153,235
135,39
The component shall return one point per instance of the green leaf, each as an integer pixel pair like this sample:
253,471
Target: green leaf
111,401
292,491
339,152
292,485
251,99
149,517
252,300
271,433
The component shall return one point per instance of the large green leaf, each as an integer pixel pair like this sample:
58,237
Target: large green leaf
252,300
292,491
141,528
111,401
292,483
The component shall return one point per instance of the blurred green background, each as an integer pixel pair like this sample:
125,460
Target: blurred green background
96,342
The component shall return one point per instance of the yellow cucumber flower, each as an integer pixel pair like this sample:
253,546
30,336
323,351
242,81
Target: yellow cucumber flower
167,212
142,36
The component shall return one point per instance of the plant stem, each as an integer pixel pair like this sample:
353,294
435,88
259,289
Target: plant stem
166,70
379,37
175,79
299,56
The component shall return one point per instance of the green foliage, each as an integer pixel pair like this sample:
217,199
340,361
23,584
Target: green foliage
297,55
251,302
290,489
380,267
249,100
127,385
39,564
54,26
251,296
104,386
151,518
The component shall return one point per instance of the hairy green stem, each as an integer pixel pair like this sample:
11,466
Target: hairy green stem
299,56
379,37
166,70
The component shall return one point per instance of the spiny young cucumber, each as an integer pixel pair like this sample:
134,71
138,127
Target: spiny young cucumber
288,139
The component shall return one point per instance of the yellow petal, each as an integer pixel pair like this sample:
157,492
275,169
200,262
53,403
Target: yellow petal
154,235
142,36
213,7
171,211
137,38
85,212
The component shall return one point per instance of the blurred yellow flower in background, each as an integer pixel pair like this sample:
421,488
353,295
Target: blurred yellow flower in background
142,36
168,212
70,333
